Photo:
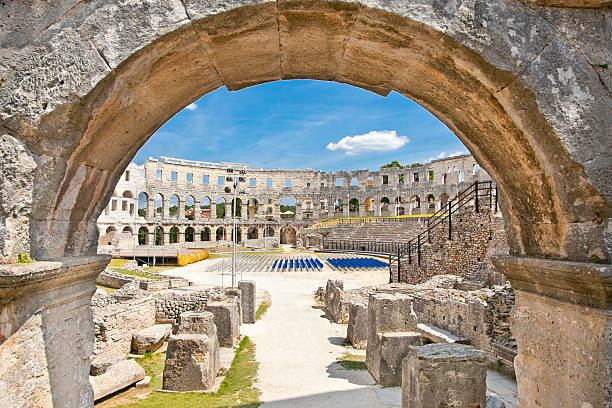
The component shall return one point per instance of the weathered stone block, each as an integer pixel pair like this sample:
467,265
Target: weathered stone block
192,362
151,338
197,323
248,300
117,376
99,364
443,375
227,320
357,331
387,353
332,285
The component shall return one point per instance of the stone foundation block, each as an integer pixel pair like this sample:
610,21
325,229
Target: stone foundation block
197,323
151,338
118,376
357,331
444,375
227,320
248,300
99,364
192,362
389,350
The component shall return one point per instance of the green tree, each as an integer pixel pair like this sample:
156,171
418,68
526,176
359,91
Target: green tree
417,164
394,163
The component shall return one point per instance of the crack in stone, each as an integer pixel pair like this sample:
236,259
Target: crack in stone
280,45
347,39
527,66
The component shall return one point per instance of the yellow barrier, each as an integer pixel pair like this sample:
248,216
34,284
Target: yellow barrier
183,260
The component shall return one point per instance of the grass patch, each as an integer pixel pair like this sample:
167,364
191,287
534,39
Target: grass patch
117,263
237,389
140,275
350,361
159,268
262,309
217,256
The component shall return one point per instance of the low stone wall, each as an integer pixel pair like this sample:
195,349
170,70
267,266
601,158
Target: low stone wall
113,280
116,280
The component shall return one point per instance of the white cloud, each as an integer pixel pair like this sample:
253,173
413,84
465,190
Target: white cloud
191,107
374,141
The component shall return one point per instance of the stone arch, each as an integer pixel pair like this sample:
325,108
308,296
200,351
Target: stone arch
143,236
368,205
190,207
269,231
220,234
173,235
384,207
238,234
288,234
143,201
443,200
220,205
205,234
252,233
399,206
127,194
173,206
159,238
205,207
353,207
339,207
189,234
431,203
541,128
415,205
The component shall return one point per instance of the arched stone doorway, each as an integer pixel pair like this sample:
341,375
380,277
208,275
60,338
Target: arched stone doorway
288,235
529,105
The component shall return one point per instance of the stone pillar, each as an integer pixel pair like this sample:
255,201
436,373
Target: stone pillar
47,331
561,322
150,209
243,210
362,211
165,208
298,212
248,299
228,210
345,208
444,375
227,321
377,209
181,208
180,235
315,210
330,210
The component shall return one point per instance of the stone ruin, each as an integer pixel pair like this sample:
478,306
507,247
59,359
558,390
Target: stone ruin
133,320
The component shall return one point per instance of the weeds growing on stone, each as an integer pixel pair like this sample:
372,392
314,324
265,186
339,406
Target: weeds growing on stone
262,309
350,361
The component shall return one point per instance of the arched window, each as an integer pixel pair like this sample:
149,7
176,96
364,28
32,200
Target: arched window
159,236
173,206
143,198
188,234
220,234
220,207
173,236
143,236
205,234
189,208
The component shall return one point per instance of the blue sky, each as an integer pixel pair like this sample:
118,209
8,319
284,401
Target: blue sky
303,124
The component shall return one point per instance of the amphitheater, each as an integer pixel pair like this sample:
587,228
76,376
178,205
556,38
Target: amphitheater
186,201
524,84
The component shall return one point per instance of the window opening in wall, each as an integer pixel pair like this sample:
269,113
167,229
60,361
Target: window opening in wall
205,179
444,179
173,176
205,207
158,174
159,236
142,204
124,205
415,177
461,177
385,179
158,204
354,182
173,205
269,183
189,177
338,182
127,176
322,184
189,208
288,182
220,180
400,178
370,181
114,205
475,168
430,175
308,184
252,182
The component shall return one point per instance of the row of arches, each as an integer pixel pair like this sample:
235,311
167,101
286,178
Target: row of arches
160,236
288,208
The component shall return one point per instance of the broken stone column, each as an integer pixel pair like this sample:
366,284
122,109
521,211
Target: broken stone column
561,323
192,358
330,288
444,375
227,320
391,330
357,331
151,338
248,300
116,377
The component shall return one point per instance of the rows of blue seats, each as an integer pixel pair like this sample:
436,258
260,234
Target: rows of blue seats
356,263
300,263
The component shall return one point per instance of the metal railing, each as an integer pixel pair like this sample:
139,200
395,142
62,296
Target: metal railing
478,193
